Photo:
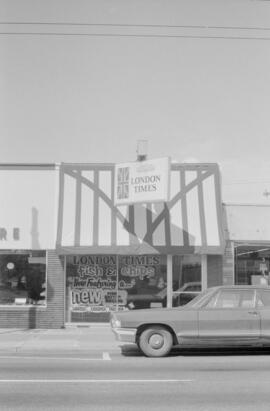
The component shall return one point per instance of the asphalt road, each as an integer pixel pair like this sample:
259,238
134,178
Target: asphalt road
111,381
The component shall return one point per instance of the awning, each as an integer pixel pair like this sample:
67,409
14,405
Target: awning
89,222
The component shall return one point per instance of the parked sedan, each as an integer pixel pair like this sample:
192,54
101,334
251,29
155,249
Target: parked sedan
220,316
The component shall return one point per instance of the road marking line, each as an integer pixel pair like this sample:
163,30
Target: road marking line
106,356
51,358
96,381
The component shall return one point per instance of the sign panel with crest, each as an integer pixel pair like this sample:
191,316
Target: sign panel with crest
142,182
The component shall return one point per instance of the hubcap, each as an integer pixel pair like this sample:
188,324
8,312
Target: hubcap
156,341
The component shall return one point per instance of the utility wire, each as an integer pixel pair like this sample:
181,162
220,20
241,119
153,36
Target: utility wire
187,26
246,182
134,35
183,36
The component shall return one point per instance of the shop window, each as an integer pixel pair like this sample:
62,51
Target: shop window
23,278
91,287
100,284
142,281
186,278
252,265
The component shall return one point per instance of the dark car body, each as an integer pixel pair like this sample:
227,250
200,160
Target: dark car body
220,316
153,299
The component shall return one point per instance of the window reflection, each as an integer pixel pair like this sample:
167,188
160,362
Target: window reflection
145,280
186,278
23,278
252,265
100,284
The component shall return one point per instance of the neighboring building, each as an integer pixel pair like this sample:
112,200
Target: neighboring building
249,237
68,254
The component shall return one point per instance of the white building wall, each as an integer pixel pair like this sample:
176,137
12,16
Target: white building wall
28,207
248,222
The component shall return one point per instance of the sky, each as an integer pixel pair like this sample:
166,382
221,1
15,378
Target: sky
89,78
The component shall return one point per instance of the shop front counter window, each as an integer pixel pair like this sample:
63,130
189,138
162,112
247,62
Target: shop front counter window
23,278
97,285
144,280
100,284
252,264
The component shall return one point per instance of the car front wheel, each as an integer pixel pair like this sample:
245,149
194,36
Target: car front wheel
155,341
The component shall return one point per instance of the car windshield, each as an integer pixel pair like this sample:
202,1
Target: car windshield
201,298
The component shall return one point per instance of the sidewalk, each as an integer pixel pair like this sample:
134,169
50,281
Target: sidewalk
73,339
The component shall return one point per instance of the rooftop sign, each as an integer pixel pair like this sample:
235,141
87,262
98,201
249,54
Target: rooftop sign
142,182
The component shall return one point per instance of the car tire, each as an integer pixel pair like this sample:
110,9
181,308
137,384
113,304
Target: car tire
156,341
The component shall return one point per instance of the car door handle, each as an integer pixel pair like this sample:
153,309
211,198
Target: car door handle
253,312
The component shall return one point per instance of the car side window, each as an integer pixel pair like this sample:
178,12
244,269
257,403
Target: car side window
228,299
233,299
212,302
247,299
263,298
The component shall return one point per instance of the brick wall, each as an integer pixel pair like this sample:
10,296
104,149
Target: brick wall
51,316
54,316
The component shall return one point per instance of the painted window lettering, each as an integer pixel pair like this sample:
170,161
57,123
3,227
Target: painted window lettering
88,270
3,233
94,260
87,296
137,271
112,282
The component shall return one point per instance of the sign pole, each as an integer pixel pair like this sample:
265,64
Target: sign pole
117,282
142,150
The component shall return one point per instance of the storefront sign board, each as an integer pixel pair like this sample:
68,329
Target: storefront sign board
142,181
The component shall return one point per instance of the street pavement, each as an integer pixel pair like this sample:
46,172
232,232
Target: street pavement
84,368
72,339
186,382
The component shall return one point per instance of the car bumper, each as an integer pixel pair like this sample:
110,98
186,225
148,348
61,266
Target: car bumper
125,334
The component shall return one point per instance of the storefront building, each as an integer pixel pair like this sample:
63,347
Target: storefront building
249,238
68,254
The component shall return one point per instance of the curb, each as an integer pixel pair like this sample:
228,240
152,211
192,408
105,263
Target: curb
61,353
87,325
